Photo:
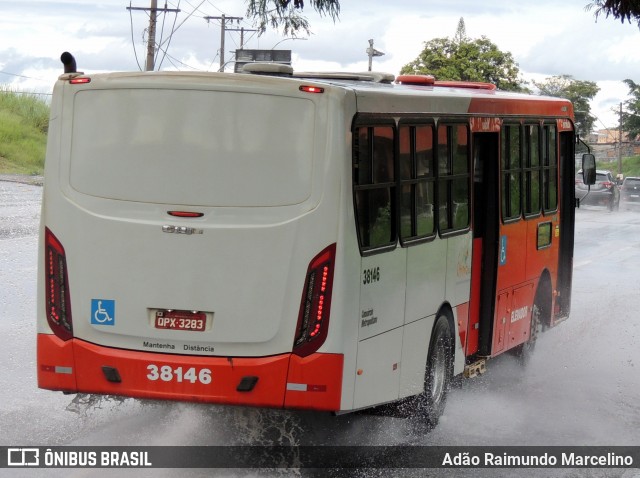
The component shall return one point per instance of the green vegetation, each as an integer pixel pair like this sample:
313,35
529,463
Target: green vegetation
579,92
24,120
630,166
631,117
286,14
628,10
462,58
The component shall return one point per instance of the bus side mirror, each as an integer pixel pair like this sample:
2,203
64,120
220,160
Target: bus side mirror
589,169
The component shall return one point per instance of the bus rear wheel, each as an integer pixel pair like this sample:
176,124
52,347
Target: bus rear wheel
438,375
524,352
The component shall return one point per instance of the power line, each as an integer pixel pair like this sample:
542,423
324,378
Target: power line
170,58
133,43
164,17
246,22
241,30
18,92
151,44
211,3
223,27
606,128
20,76
183,21
173,30
212,62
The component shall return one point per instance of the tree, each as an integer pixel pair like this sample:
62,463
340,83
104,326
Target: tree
631,117
580,93
467,60
461,32
287,14
628,10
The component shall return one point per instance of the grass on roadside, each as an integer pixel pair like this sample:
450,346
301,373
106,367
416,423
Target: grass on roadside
630,166
24,120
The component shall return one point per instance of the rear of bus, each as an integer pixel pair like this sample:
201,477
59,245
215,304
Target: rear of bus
189,237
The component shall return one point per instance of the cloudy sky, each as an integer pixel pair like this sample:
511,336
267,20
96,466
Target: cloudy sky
545,37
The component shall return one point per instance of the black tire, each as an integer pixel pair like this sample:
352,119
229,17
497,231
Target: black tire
524,352
438,375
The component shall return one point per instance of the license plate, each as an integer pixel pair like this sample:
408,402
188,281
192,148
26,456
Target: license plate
635,196
181,320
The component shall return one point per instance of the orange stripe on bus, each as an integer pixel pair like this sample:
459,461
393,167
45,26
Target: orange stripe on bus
55,354
181,377
191,378
322,373
540,106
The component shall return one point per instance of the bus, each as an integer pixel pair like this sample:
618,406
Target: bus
319,241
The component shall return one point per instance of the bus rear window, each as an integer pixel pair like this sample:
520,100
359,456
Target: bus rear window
189,147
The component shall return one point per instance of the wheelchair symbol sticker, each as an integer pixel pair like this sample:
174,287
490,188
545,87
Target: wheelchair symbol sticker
103,312
503,250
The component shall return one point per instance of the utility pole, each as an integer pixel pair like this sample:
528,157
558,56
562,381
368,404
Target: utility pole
620,143
241,30
223,28
151,43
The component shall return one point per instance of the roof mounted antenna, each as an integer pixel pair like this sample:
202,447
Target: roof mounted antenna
69,62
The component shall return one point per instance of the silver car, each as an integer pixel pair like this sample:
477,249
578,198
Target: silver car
603,193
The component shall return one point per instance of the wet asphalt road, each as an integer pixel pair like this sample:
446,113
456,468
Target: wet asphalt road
582,387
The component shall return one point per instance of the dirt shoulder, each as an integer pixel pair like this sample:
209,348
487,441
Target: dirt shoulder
23,178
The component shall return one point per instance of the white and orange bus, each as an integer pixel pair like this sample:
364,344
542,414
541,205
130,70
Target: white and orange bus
307,241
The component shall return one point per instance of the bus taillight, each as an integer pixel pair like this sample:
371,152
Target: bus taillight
57,288
80,80
315,306
311,89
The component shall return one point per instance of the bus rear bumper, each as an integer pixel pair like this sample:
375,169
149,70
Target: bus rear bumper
279,381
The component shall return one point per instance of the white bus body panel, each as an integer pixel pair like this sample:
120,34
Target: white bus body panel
383,287
378,375
120,172
122,153
426,287
392,362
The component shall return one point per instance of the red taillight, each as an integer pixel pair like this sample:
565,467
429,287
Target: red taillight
607,184
311,89
57,300
80,80
315,306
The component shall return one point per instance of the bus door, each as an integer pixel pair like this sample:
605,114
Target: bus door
567,220
486,213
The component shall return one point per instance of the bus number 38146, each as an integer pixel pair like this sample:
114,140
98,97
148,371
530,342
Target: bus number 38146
167,373
371,275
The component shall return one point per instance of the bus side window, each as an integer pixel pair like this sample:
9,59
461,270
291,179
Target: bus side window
511,165
549,168
417,182
453,178
532,170
374,186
